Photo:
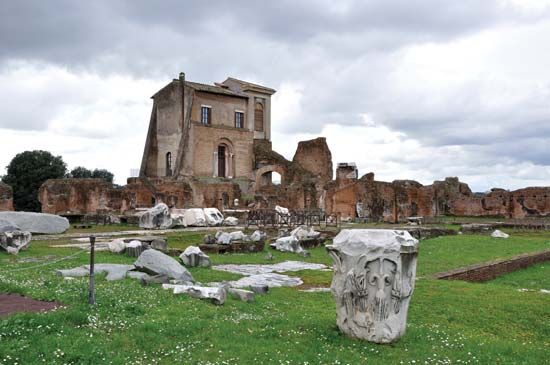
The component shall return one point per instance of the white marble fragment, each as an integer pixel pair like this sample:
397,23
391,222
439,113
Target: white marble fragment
117,246
157,217
193,256
216,294
374,277
230,221
254,269
499,234
271,280
213,216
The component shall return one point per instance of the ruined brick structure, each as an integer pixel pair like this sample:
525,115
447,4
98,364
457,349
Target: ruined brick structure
6,197
208,145
395,201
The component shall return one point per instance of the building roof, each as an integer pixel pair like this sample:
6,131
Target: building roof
213,89
249,86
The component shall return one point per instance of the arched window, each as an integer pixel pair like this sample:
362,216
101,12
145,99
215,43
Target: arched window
168,164
259,117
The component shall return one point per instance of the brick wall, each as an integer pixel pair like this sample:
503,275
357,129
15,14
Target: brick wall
490,270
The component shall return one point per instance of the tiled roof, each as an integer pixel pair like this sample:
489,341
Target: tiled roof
251,86
213,89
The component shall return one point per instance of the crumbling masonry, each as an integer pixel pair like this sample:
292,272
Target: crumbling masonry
208,145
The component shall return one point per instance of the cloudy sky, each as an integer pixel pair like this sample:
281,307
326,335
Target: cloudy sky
407,89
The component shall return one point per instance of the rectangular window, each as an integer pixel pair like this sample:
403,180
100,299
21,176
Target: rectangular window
206,114
239,120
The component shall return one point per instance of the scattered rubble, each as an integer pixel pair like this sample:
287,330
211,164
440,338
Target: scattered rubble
117,246
194,217
285,266
259,289
7,226
271,280
213,216
14,241
193,256
159,244
230,221
36,222
157,217
291,243
135,248
499,234
216,294
157,263
113,271
241,294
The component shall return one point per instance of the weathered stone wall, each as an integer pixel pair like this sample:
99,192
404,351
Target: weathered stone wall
85,196
394,202
315,157
79,196
206,140
6,197
222,107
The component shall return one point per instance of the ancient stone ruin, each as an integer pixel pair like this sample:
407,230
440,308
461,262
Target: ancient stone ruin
374,277
210,146
6,197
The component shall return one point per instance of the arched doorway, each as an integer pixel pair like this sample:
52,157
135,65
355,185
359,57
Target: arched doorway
221,160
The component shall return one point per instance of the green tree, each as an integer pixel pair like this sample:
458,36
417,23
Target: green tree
80,172
27,171
103,174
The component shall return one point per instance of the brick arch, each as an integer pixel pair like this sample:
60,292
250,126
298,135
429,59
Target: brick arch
270,168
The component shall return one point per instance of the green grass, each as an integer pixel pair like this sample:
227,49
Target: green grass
535,277
449,321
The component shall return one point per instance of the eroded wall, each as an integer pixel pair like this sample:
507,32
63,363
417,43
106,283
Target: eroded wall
400,199
6,197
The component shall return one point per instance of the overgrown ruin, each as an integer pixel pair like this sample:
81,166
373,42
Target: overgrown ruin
210,146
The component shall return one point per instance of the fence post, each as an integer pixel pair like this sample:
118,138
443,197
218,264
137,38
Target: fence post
91,292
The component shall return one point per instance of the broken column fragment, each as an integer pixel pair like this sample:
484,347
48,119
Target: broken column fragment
193,256
157,217
374,277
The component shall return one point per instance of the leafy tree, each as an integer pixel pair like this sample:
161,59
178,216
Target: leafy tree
80,172
103,174
27,171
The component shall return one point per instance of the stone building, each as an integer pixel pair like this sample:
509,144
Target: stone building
206,131
206,145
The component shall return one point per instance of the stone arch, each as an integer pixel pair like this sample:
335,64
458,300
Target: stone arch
262,171
223,162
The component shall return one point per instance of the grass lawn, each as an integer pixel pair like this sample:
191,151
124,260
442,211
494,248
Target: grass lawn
449,321
535,277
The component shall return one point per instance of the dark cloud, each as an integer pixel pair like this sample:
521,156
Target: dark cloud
345,59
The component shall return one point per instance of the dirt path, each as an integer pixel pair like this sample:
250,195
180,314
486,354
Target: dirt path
14,303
